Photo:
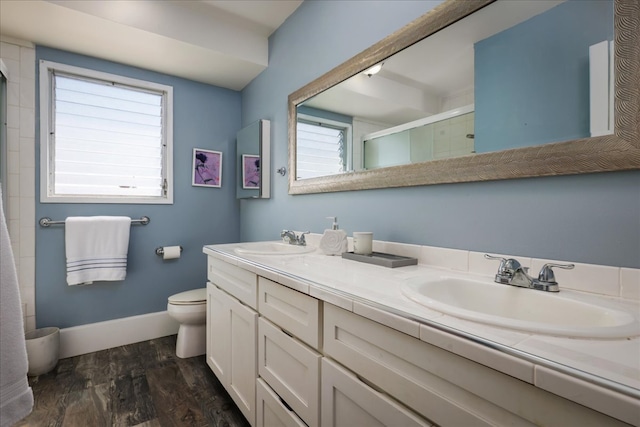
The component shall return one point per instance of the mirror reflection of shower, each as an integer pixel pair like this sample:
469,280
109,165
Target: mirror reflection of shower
445,135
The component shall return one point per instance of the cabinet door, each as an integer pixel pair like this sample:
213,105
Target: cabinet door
218,332
232,348
347,401
243,350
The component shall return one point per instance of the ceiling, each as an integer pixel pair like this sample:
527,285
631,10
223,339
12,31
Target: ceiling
223,43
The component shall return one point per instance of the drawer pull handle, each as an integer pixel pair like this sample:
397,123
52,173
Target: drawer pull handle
285,404
370,384
287,333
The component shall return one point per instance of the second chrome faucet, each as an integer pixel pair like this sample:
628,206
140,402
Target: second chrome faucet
511,272
290,237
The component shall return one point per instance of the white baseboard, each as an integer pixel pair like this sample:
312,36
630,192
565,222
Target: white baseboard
98,336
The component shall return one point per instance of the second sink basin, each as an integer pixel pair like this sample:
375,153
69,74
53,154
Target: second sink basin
519,308
272,248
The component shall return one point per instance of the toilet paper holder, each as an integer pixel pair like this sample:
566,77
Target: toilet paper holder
160,250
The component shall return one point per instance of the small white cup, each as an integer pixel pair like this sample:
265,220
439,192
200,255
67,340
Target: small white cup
363,242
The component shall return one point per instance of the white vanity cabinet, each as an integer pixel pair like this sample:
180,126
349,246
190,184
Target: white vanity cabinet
231,337
289,359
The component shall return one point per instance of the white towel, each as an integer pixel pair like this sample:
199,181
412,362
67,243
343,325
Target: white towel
96,248
16,397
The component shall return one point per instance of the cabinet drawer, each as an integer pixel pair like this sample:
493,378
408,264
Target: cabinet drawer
236,281
293,311
271,412
347,401
291,369
445,388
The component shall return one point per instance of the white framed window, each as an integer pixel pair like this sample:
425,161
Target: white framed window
323,147
104,138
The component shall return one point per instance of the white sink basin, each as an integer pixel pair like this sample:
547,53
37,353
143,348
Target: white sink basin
272,248
523,309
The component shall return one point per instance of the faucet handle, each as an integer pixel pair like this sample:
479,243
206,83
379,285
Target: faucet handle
487,256
286,235
546,273
503,262
507,269
506,265
301,240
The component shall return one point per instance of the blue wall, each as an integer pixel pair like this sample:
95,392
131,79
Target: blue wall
204,117
588,218
529,88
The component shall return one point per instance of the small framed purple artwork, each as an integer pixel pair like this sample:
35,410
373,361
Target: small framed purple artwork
207,168
250,172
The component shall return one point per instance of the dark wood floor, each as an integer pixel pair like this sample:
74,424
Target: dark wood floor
143,384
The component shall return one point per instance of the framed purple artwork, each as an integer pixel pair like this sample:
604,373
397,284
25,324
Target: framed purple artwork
207,168
250,172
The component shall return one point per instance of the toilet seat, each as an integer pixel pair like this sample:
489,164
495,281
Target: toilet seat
192,297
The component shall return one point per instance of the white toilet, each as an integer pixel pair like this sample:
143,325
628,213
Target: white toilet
189,308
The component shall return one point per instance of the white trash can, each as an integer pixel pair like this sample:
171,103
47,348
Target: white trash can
43,350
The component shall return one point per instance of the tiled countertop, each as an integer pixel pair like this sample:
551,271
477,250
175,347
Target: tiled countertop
602,374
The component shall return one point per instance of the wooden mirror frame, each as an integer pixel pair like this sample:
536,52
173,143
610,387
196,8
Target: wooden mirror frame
620,151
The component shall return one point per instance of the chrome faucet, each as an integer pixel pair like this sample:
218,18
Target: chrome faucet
290,237
511,272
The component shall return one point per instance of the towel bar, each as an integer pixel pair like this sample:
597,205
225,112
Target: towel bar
45,222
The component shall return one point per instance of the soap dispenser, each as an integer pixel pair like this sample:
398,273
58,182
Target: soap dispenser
334,241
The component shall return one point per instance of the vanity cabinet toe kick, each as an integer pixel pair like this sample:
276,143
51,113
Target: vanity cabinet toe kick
289,359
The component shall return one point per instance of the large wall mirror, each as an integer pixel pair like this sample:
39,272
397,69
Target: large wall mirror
475,91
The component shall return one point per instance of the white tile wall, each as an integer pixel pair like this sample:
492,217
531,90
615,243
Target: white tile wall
454,259
630,283
393,248
597,279
20,59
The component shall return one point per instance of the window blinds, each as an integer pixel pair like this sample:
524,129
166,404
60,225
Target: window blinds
107,138
320,150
